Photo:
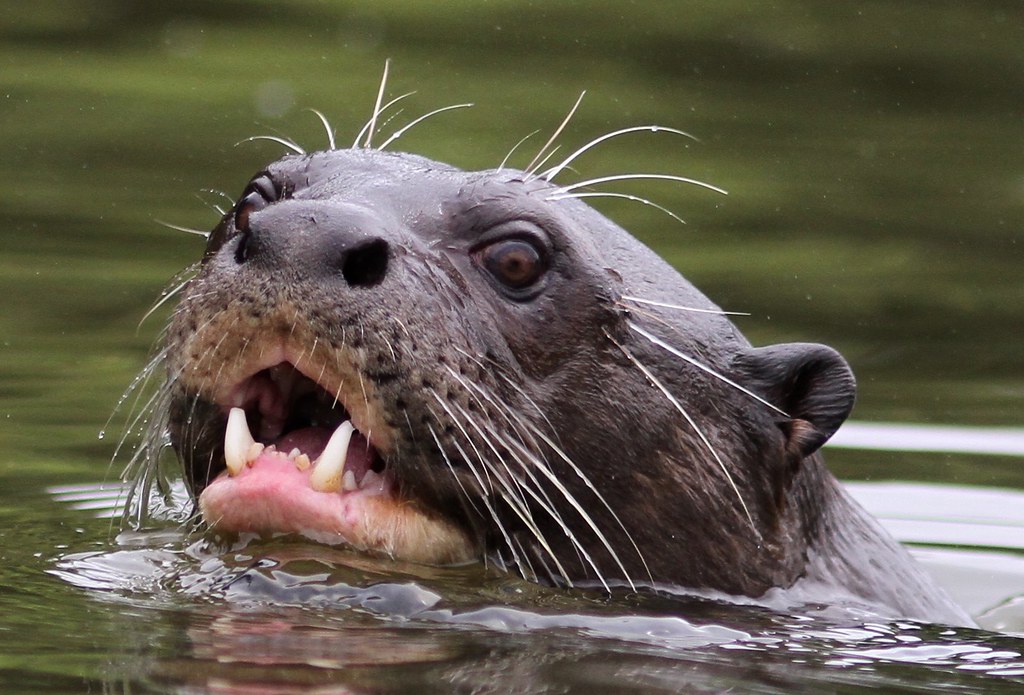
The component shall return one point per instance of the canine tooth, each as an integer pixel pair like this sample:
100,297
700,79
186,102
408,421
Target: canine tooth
302,462
330,466
348,482
237,441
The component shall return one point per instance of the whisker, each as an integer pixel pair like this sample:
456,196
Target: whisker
541,466
485,498
554,171
188,274
550,475
385,107
273,138
719,312
514,148
562,190
401,131
327,127
693,425
531,428
554,136
703,367
549,155
222,194
372,125
458,480
444,406
505,488
626,196
187,230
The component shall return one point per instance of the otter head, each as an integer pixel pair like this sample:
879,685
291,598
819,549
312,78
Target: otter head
437,365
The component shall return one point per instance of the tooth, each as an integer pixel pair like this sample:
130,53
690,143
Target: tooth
302,462
293,453
372,483
348,482
254,451
237,441
330,467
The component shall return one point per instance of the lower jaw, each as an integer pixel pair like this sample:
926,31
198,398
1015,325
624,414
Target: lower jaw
271,496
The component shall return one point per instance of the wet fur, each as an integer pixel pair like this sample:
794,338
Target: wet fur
571,445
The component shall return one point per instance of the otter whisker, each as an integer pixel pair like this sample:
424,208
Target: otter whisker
505,489
187,230
526,558
703,367
542,466
512,384
486,438
531,167
693,425
626,196
544,161
485,498
553,172
545,503
362,131
139,414
167,294
273,138
462,430
665,305
579,473
372,125
327,126
143,467
562,190
220,193
514,148
458,480
401,131
534,462
499,406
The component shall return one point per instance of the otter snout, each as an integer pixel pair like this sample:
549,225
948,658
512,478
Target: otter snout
318,240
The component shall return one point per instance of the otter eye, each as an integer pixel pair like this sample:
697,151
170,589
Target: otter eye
517,264
246,206
257,195
514,263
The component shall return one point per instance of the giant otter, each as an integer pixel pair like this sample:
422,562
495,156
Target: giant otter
444,366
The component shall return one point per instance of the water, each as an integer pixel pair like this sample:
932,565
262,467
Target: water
871,154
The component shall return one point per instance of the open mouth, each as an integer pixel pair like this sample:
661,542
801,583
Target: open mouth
294,463
297,421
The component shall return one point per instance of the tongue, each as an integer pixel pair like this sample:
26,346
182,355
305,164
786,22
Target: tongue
309,440
312,440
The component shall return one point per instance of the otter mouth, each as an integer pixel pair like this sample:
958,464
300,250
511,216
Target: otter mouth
296,420
295,462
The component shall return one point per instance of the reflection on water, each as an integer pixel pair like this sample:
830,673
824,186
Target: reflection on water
889,436
330,615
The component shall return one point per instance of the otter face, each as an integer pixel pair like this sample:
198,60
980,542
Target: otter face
439,366
347,364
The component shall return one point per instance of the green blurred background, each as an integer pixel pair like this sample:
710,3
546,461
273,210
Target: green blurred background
872,151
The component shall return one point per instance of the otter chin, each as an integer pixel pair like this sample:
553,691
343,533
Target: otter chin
442,366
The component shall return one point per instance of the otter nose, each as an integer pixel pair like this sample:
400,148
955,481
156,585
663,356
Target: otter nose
316,239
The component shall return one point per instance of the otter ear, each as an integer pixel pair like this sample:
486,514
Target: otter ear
812,383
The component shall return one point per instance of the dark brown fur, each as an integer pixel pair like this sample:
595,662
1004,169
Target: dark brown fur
372,260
